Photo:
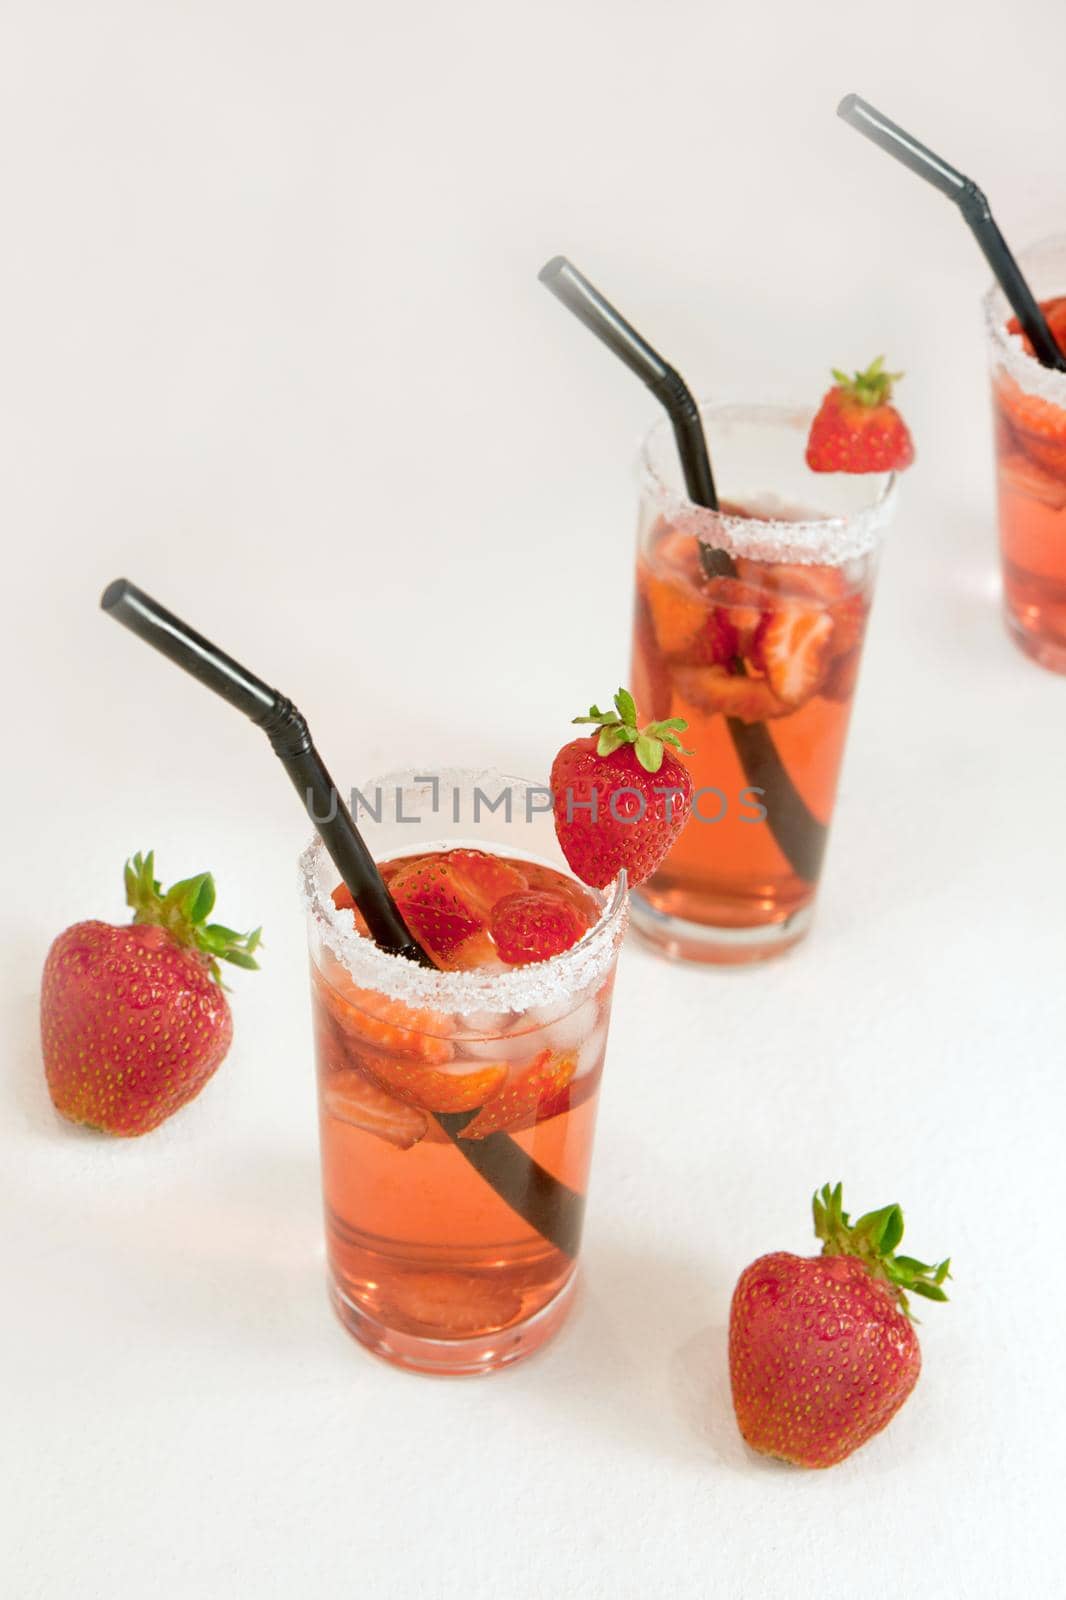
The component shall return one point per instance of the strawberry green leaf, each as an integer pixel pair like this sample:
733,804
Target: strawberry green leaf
649,753
873,1238
627,707
610,739
182,911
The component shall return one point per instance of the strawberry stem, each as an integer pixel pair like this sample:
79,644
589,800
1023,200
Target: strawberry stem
620,727
870,388
183,910
873,1238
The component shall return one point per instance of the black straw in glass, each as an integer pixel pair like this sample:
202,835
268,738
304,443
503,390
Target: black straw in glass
975,209
552,1208
798,832
291,741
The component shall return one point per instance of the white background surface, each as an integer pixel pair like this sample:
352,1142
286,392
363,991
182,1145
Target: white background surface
274,348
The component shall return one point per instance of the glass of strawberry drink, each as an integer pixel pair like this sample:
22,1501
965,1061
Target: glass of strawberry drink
1029,408
457,1106
762,660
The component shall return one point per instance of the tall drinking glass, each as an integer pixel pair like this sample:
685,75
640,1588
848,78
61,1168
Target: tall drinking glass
1029,407
749,622
457,1107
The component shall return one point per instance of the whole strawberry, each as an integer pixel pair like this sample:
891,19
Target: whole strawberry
134,1019
621,797
822,1351
857,429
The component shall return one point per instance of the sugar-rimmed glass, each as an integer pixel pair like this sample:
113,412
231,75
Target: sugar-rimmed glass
1029,409
740,883
447,1254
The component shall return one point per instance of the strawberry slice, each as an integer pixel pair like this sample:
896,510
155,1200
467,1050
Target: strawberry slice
517,1104
432,901
432,1089
369,1018
552,882
714,689
677,613
736,611
796,581
486,877
792,648
355,1099
534,926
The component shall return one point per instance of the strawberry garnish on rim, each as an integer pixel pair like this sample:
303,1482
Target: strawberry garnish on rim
857,429
620,796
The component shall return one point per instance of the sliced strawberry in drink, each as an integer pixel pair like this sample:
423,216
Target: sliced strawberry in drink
711,689
477,951
792,648
517,1104
486,877
463,1088
552,882
436,906
737,608
355,1099
366,1017
677,612
534,926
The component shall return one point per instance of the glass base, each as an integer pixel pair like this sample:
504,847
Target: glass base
455,1357
713,944
1045,652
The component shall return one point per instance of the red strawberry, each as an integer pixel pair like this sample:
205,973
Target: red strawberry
134,1019
534,926
792,648
433,1088
487,878
532,1087
737,609
857,429
437,906
621,797
714,689
822,1352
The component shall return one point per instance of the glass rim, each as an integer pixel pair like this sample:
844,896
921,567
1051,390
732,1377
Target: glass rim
1009,348
513,988
814,540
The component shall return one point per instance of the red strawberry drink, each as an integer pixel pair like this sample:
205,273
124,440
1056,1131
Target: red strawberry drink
749,624
1029,405
457,1106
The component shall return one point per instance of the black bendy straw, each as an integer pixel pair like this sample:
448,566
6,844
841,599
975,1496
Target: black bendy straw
291,742
550,1207
971,201
798,832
